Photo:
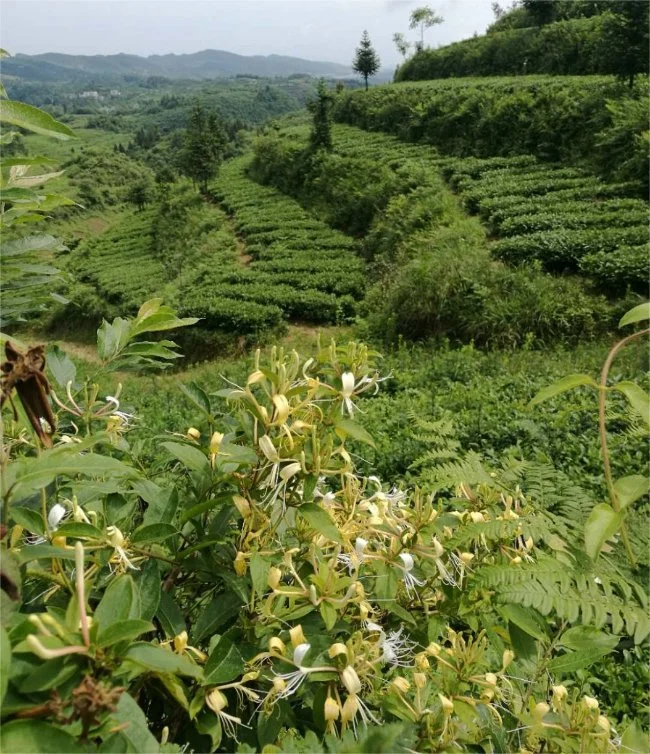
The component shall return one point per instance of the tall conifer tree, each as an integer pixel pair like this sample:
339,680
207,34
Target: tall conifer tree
366,61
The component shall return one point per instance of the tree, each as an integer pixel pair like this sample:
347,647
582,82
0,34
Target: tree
403,47
626,34
366,61
321,130
204,145
424,18
141,192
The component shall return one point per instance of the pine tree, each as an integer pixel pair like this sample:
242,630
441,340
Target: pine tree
321,130
366,61
203,146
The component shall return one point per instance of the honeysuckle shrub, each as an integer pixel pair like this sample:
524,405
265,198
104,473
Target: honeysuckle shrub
255,592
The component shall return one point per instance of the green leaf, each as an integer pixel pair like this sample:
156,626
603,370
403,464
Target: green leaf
259,569
328,614
637,314
5,662
526,619
28,475
175,689
188,455
347,427
170,616
38,552
396,609
222,608
149,586
572,661
123,631
112,337
198,396
152,533
320,520
25,116
208,724
135,730
37,737
224,664
561,386
603,523
588,637
49,675
159,660
638,398
79,529
630,488
634,740
61,366
120,602
29,519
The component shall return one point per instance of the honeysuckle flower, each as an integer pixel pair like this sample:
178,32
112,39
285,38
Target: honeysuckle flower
446,704
350,680
215,446
181,645
193,434
508,657
410,581
217,702
590,703
347,382
397,650
354,706
353,560
56,514
560,693
331,712
294,679
282,409
603,723
115,538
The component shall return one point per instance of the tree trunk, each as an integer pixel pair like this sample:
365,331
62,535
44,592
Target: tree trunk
366,78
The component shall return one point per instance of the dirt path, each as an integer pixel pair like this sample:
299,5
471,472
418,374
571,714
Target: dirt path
243,257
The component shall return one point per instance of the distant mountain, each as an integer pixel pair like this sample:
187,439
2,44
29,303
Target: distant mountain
53,66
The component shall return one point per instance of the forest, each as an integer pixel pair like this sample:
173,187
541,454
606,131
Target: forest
324,401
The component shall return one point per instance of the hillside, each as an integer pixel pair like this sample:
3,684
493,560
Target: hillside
206,64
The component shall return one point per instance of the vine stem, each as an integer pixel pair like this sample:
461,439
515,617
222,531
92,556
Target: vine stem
602,430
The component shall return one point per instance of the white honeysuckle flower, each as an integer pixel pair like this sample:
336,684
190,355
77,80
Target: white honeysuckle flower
268,448
397,650
294,679
353,560
347,381
55,516
112,399
116,539
410,581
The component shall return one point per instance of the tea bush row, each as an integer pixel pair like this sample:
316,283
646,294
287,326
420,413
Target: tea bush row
540,213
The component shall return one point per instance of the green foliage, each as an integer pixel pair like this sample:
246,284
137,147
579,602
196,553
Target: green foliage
366,61
204,146
556,118
281,579
613,41
321,131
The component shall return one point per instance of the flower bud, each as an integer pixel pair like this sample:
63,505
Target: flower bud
420,680
447,705
508,657
216,701
350,709
421,661
276,646
332,709
337,649
540,709
273,579
240,564
400,684
193,434
114,536
590,703
297,636
560,693
242,505
433,649
215,443
180,642
603,723
59,541
350,680
282,409
438,549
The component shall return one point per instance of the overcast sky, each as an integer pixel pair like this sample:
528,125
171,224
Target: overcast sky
313,29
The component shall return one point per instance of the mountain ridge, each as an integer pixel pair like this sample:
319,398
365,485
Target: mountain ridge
203,64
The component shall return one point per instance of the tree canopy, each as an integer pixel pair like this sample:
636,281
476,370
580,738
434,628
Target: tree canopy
366,61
